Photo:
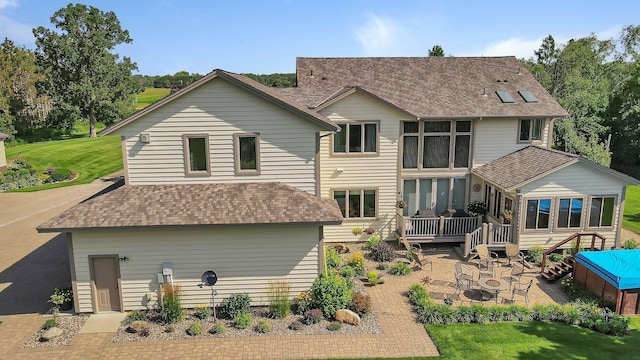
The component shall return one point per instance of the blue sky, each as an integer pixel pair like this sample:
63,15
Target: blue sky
266,36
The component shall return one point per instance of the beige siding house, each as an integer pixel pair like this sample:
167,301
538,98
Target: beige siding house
3,155
221,176
249,181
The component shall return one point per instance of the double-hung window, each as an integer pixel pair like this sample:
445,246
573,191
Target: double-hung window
247,154
356,138
601,211
531,130
356,204
441,144
538,213
196,154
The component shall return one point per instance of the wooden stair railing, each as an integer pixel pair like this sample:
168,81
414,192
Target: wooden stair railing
563,268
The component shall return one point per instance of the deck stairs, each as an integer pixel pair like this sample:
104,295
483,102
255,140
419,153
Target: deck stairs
559,270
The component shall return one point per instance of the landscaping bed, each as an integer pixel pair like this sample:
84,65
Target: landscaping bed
368,325
70,325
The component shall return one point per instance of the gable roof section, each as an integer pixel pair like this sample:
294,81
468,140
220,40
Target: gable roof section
197,205
242,81
531,163
429,87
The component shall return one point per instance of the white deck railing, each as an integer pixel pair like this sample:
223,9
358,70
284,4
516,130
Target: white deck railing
490,234
410,227
501,234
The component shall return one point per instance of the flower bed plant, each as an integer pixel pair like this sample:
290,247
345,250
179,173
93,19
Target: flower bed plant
585,314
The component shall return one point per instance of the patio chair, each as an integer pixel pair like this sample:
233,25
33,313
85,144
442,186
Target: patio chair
485,256
512,275
416,255
464,275
521,289
513,253
489,271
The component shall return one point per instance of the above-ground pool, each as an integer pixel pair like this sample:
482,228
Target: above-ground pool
614,275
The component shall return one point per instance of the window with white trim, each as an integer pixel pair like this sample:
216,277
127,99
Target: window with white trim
356,204
356,138
601,211
531,130
537,213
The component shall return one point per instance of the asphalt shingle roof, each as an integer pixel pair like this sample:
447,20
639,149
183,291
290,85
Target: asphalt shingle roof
197,205
428,87
523,165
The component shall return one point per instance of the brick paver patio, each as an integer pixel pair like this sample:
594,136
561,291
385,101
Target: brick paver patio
402,337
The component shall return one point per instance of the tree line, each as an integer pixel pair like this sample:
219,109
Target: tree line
598,83
74,76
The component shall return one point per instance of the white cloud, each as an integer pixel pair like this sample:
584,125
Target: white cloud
518,47
17,32
8,3
379,35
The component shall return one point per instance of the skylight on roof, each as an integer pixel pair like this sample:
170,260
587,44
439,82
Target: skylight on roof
505,96
528,96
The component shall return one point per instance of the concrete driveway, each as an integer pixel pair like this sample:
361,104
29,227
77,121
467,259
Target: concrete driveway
32,264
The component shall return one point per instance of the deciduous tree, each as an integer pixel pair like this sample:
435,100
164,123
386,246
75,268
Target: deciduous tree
85,79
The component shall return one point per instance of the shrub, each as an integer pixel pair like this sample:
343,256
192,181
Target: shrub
383,252
296,325
263,327
334,326
195,329
534,254
418,295
333,258
464,314
356,231
312,316
243,320
169,328
373,240
172,311
330,293
382,267
50,323
235,304
347,272
279,303
202,311
361,303
58,297
136,316
304,302
539,312
356,261
218,329
480,313
399,269
630,244
555,257
477,208
372,277
60,174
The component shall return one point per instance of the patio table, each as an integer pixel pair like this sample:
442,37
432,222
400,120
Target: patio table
492,286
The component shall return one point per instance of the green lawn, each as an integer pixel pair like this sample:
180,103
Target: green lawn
532,340
91,158
631,219
149,96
